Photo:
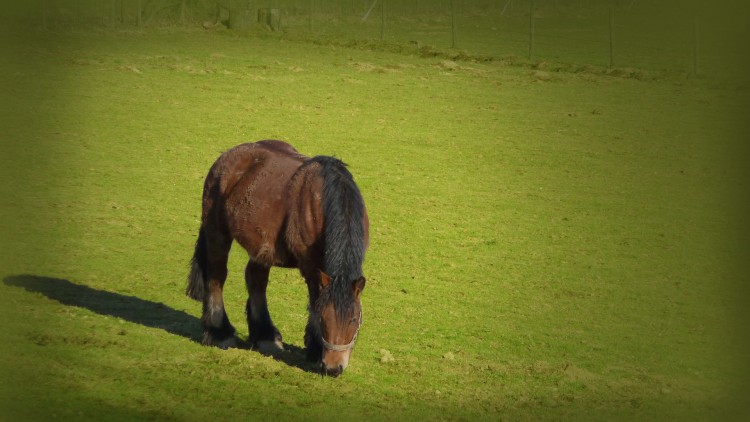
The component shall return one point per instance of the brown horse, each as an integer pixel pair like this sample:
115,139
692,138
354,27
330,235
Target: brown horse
290,211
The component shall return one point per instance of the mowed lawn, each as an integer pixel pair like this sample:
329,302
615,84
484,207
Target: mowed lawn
543,245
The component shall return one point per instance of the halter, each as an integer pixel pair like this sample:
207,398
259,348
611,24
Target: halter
343,347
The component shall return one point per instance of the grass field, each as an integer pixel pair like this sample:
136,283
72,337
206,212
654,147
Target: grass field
545,245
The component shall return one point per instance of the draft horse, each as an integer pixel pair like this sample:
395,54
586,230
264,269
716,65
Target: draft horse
291,211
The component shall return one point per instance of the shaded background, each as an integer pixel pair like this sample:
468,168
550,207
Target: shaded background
653,41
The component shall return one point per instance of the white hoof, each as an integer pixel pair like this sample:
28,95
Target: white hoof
268,346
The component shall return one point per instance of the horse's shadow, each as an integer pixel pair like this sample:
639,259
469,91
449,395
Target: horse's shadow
139,311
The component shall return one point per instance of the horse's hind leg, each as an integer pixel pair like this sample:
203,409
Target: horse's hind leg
263,334
217,330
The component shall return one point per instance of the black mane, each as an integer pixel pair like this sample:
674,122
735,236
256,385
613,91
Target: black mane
344,236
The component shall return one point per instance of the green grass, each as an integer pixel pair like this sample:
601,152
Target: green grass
544,245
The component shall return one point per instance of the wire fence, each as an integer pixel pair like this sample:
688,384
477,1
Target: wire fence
674,36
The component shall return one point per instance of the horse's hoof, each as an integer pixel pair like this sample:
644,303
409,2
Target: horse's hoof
229,343
268,347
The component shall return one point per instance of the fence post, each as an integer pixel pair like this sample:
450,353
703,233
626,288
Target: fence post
695,38
232,15
453,24
531,30
382,20
612,34
113,13
44,15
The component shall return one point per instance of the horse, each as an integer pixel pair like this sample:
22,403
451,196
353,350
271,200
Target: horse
286,210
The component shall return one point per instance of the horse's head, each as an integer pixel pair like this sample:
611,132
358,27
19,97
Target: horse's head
340,321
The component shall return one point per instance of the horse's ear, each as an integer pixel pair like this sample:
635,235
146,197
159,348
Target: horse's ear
358,286
324,280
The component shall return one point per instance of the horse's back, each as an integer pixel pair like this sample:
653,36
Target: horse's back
246,191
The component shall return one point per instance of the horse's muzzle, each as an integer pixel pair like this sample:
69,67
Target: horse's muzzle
331,372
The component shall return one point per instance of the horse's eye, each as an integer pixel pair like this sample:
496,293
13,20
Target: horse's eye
354,320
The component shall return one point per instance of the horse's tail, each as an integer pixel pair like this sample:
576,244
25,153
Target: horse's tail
196,287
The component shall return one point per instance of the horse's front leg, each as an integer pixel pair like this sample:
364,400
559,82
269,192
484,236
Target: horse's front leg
313,346
263,334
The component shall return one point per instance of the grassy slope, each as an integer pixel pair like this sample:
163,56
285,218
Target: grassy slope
542,245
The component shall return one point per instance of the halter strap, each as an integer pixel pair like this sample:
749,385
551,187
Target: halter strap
343,347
